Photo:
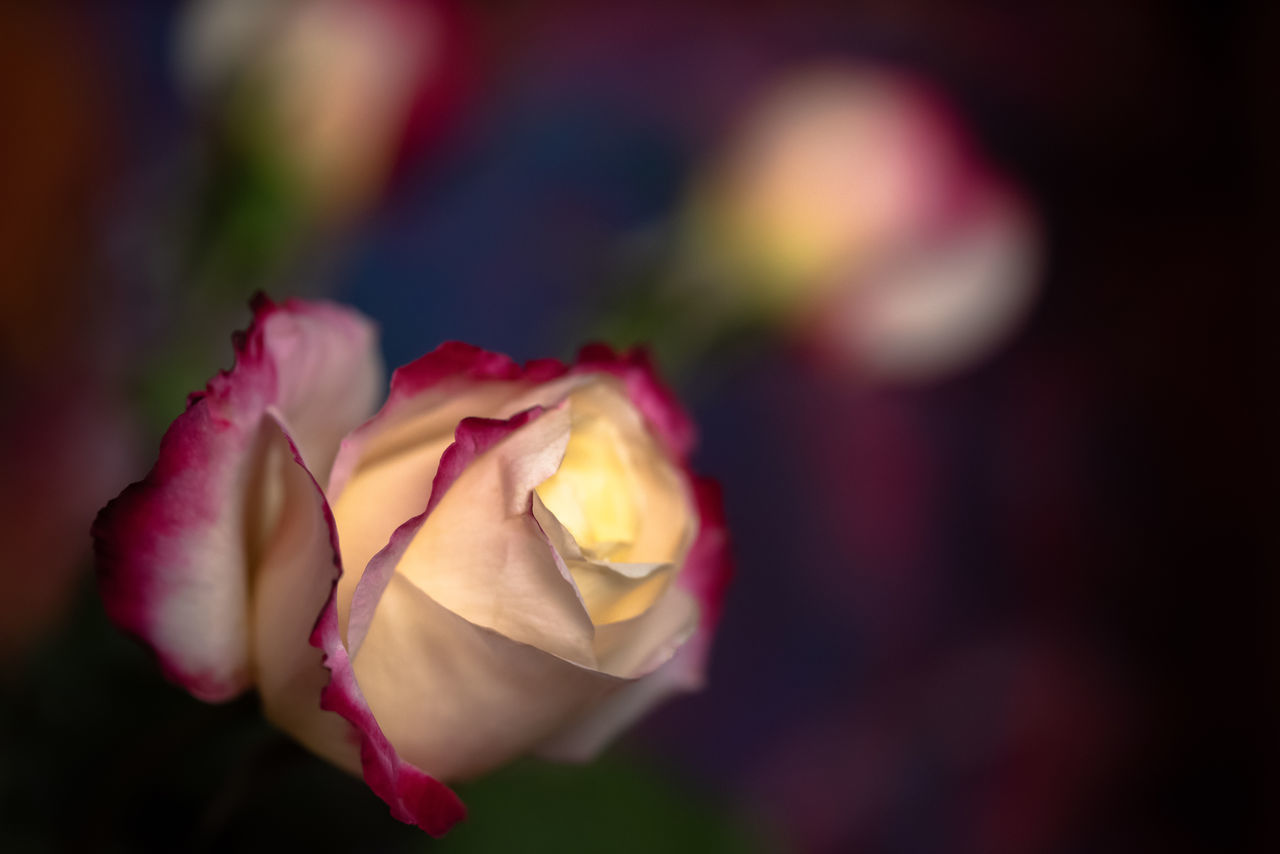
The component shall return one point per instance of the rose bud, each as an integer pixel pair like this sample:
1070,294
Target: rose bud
854,210
502,560
339,95
948,302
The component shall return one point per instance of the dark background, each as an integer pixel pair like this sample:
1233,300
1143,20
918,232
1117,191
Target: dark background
1020,608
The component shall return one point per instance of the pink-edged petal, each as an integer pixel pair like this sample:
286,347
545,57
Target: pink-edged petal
429,396
414,796
457,699
649,393
708,569
636,646
329,374
472,437
385,468
440,688
618,490
584,737
292,585
705,577
383,471
480,552
175,550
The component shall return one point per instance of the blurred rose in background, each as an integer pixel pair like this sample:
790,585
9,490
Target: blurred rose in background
296,119
336,94
834,167
850,213
854,201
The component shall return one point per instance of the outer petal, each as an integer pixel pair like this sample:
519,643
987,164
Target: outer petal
456,698
498,567
706,576
482,555
396,650
414,796
591,732
291,587
175,550
709,567
650,516
650,395
384,470
429,396
456,380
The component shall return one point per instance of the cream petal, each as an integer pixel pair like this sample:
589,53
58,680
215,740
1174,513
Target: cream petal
634,370
662,653
377,500
430,395
391,482
614,592
456,699
705,576
294,581
481,554
384,471
586,735
559,537
428,418
617,491
329,375
634,647
611,592
412,795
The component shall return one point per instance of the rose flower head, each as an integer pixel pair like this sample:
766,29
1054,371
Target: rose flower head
501,560
854,209
338,95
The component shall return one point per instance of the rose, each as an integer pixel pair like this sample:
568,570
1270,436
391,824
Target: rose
853,210
337,96
529,565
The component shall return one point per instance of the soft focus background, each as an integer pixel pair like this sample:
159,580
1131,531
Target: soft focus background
962,294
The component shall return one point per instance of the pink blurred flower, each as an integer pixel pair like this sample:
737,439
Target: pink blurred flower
852,208
343,91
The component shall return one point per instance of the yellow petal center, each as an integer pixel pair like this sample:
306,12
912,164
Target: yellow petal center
622,501
593,493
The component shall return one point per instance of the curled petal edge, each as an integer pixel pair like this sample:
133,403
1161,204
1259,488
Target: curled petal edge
708,568
472,438
413,796
456,361
706,574
452,361
167,547
655,400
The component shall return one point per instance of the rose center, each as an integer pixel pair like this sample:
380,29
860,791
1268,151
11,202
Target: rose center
594,493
